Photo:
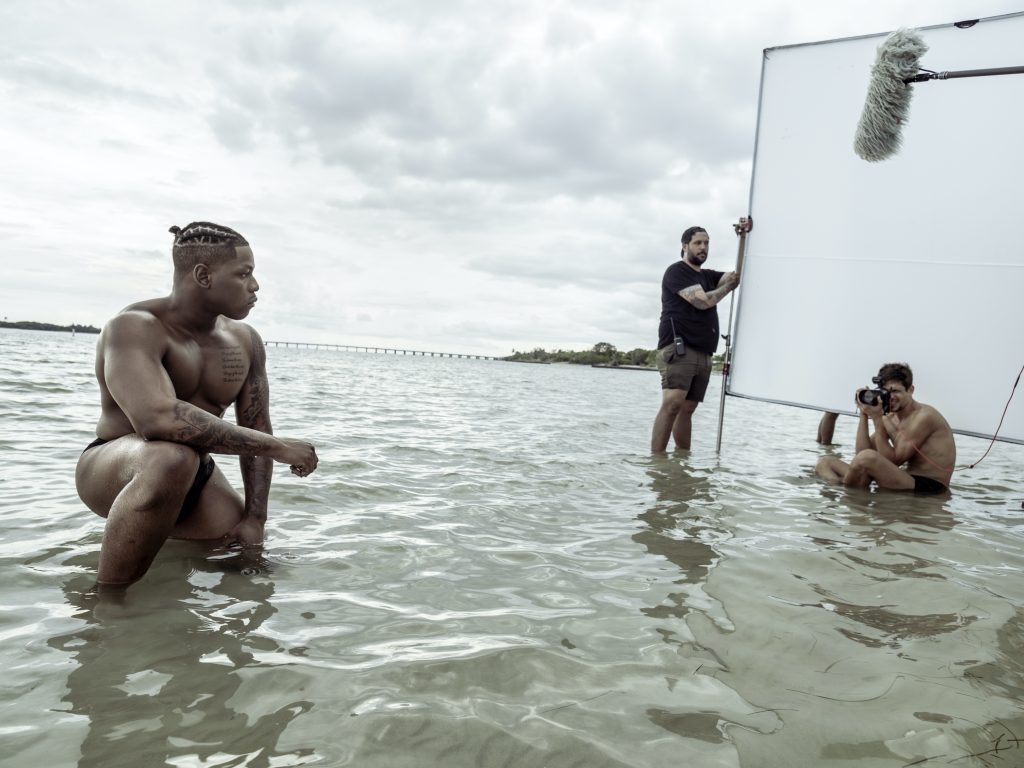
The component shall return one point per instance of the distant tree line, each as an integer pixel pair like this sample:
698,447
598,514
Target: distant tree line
601,353
26,325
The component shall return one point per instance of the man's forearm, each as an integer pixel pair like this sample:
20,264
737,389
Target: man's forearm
257,472
863,434
708,299
196,428
882,443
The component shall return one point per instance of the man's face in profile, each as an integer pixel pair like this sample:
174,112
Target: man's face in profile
235,284
696,251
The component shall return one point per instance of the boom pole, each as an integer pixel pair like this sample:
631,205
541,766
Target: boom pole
741,228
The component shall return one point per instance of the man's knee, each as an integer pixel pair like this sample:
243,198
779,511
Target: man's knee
688,406
863,468
173,460
830,468
866,459
673,400
165,472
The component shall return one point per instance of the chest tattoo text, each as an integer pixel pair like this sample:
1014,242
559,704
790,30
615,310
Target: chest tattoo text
232,363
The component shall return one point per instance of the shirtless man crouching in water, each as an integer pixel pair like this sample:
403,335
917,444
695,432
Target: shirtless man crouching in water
912,433
168,368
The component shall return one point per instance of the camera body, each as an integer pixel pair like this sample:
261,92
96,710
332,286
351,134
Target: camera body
875,396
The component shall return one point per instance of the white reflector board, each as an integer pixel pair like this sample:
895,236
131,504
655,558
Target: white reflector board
914,259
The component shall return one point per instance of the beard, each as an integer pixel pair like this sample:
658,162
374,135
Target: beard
697,259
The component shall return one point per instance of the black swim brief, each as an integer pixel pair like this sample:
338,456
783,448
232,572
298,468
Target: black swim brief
94,443
206,467
927,485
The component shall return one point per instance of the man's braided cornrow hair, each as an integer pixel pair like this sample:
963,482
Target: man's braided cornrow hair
203,242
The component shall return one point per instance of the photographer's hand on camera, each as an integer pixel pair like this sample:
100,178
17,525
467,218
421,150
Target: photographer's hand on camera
873,411
876,429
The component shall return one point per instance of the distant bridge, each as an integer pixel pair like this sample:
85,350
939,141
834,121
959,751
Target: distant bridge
384,350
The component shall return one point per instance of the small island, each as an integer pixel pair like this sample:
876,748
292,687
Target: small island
601,355
27,325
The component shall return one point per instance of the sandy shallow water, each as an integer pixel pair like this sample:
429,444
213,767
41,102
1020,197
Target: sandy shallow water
490,569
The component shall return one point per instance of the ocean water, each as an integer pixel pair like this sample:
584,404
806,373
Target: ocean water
490,569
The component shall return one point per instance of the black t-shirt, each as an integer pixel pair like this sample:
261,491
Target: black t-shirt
698,327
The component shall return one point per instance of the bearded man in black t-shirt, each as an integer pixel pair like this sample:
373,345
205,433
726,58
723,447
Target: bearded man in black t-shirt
689,314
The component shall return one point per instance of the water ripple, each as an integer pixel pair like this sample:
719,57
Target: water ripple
489,568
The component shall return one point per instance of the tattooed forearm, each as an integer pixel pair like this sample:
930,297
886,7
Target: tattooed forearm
256,474
196,428
705,299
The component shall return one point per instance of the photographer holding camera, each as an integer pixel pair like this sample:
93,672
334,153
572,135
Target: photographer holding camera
687,337
906,432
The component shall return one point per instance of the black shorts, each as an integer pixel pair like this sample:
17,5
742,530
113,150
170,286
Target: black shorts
691,372
206,467
927,485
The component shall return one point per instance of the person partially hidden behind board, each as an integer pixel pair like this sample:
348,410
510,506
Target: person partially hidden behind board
906,432
168,368
827,427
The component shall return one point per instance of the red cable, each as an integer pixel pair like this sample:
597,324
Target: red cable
1000,425
991,442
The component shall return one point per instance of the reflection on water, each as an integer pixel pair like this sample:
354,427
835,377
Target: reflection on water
681,521
687,526
156,674
491,570
882,526
862,615
886,517
681,525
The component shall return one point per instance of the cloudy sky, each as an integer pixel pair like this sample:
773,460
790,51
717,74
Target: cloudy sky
432,174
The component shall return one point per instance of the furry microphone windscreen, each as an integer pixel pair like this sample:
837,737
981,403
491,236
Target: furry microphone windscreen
888,100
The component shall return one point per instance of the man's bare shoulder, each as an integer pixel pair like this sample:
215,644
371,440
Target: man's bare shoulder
155,307
138,322
930,419
243,333
940,420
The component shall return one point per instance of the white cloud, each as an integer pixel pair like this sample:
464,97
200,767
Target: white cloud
457,176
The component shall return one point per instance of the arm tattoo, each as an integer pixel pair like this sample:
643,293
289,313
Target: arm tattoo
197,428
257,471
692,294
255,412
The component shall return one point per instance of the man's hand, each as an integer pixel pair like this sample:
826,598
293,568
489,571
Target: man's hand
871,411
298,454
891,422
247,533
730,280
